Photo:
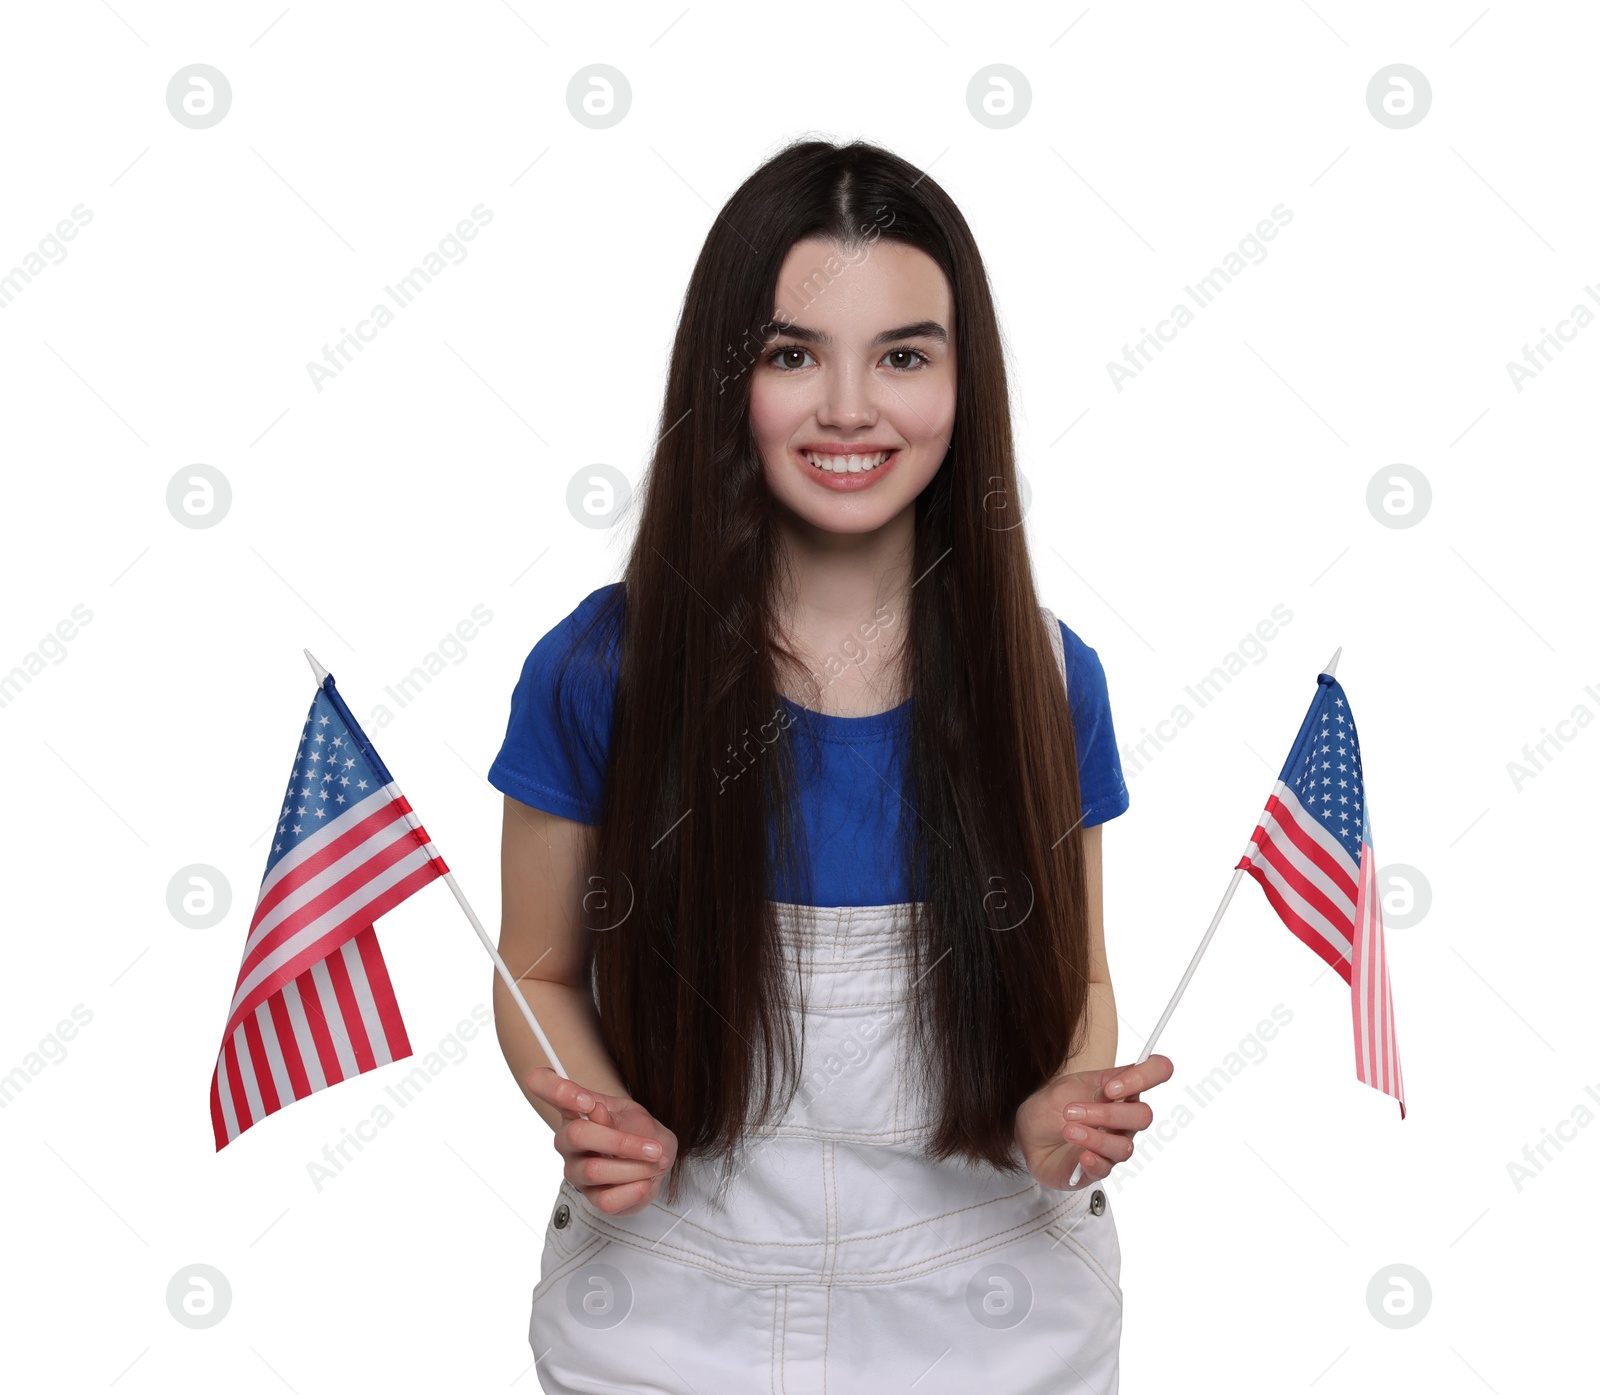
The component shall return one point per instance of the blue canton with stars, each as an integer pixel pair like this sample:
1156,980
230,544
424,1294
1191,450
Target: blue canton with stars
334,768
1324,768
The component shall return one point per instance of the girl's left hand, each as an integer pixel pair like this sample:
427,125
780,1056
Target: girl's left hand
1097,1132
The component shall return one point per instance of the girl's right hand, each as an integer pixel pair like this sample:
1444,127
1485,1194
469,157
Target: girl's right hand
1076,1126
619,1155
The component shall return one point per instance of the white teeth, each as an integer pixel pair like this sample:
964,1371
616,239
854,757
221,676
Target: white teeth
847,464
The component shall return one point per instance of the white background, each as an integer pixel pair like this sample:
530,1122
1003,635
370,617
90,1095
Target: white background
1168,518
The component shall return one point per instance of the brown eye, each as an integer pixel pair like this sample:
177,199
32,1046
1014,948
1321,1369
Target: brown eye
779,358
915,357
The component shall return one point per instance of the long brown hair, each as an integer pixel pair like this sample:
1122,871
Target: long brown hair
691,985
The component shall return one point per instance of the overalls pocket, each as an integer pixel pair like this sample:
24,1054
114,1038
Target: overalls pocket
1086,1238
569,1240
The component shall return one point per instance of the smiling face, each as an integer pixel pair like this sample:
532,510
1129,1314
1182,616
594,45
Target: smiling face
852,402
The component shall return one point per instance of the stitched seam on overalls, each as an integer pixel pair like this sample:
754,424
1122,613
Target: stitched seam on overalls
749,1277
783,1348
575,1202
878,1000
902,1047
907,1133
834,1219
574,1261
943,1216
711,1237
837,923
778,1291
827,1330
956,1253
1077,1204
851,966
857,1278
830,1208
1093,1264
874,1278
916,1268
837,940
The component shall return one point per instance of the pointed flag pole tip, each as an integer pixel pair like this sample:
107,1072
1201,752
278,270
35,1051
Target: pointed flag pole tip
1327,668
316,668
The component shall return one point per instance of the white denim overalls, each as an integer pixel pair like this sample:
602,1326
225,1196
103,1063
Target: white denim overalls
839,1261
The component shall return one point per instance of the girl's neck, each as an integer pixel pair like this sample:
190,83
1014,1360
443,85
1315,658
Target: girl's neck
844,606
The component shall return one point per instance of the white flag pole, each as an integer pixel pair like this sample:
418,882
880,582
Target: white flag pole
1194,963
483,935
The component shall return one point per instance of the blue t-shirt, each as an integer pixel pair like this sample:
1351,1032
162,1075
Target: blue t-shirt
849,771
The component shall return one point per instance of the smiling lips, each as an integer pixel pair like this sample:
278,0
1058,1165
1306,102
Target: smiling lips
839,463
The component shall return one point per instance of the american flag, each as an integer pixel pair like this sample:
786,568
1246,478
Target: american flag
313,1004
1312,854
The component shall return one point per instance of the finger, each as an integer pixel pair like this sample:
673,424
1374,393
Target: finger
612,1200
1113,1147
1130,1080
567,1095
591,1136
1124,1114
592,1170
1095,1168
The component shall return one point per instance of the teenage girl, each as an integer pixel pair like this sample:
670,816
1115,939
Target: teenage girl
801,855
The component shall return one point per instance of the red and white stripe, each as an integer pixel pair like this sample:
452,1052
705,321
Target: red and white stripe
313,1004
1331,902
1377,1056
1309,877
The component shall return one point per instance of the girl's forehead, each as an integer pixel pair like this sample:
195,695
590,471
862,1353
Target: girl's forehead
827,285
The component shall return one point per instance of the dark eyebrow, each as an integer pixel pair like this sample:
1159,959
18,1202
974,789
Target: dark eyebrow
921,329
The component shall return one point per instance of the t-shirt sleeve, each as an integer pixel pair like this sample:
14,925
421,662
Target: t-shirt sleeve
554,753
1100,783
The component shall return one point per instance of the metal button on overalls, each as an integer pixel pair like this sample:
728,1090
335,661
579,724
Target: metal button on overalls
838,1256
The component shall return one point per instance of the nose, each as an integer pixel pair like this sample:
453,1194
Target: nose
847,394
